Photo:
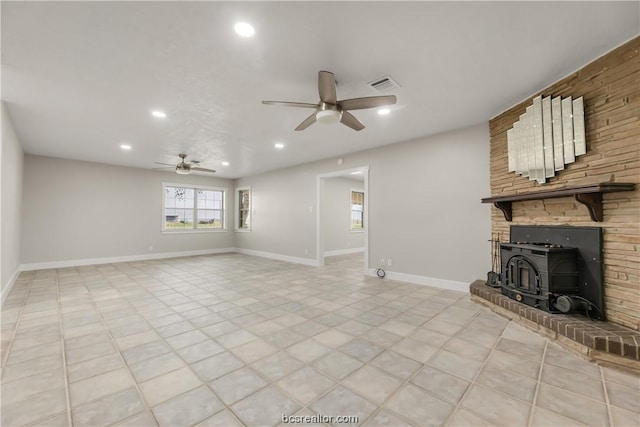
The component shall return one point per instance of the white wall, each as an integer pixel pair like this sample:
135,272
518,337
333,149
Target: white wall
11,163
424,206
75,210
336,214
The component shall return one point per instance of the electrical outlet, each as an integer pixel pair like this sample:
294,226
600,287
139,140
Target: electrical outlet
306,251
382,262
150,248
389,262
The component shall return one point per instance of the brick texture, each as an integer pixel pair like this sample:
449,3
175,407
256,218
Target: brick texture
610,86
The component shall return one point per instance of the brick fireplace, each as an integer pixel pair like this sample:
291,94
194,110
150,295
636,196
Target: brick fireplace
610,86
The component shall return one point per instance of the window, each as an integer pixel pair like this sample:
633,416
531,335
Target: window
192,208
357,210
243,209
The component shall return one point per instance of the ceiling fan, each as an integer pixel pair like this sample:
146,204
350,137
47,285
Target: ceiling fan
185,168
330,110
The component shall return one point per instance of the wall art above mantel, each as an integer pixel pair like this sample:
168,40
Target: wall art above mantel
547,137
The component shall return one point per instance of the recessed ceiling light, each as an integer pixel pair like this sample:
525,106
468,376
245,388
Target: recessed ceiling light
125,146
384,111
244,30
225,163
159,114
279,145
356,173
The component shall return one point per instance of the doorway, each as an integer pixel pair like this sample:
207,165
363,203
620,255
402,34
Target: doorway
348,192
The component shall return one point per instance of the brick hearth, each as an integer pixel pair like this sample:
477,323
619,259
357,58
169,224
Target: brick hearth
603,341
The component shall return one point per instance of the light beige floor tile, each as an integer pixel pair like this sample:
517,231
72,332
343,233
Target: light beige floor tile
254,350
265,408
544,418
372,383
221,419
93,367
512,363
445,386
150,368
413,349
333,338
624,418
145,351
480,400
385,418
186,339
60,420
509,383
305,385
108,410
277,365
343,402
101,385
237,385
624,378
236,338
361,349
200,351
396,364
308,350
164,387
188,409
573,381
135,340
460,366
143,419
31,367
571,405
465,418
420,407
623,397
34,408
519,349
216,366
381,337
28,386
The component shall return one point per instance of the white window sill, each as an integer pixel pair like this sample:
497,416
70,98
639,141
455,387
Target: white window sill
192,231
242,230
356,231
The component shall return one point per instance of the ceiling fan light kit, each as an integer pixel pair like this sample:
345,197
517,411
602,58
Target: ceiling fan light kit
330,110
185,168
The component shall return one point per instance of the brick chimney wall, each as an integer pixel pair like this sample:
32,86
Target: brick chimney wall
610,86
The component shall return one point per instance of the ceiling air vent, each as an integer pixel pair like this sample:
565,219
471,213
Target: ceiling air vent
384,84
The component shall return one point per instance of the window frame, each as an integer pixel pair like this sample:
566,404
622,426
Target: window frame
236,192
195,229
351,191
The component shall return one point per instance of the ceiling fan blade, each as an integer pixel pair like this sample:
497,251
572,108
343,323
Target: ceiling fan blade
368,102
166,164
199,169
307,122
327,87
290,104
164,168
350,120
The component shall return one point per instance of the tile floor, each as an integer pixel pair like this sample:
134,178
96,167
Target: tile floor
238,340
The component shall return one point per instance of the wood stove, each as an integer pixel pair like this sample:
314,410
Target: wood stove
556,269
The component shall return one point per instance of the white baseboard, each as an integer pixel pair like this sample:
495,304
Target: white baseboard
451,285
279,257
9,285
343,251
126,258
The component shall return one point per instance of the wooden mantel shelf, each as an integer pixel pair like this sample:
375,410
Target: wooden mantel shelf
589,195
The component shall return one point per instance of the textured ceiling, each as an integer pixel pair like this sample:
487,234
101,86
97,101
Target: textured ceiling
80,78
